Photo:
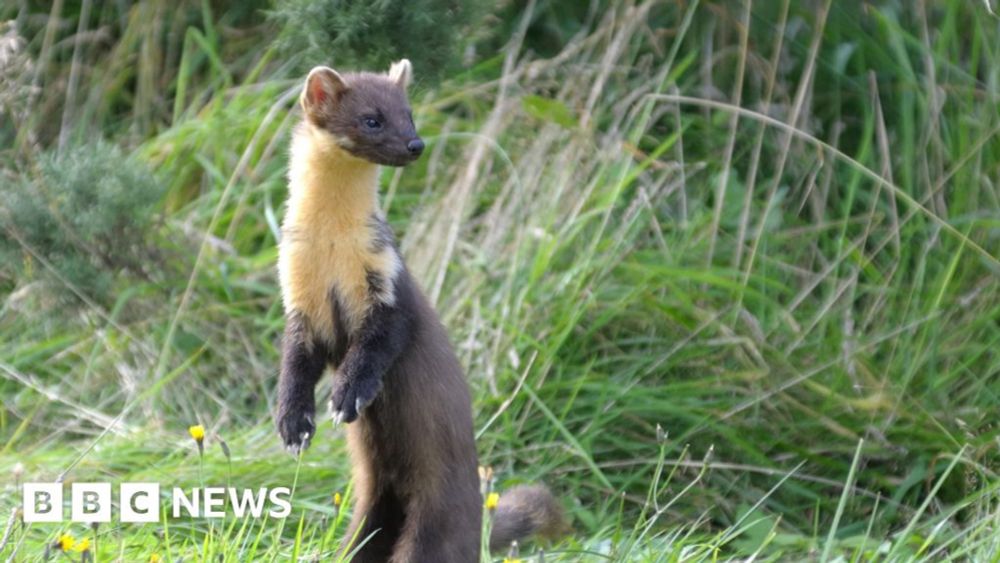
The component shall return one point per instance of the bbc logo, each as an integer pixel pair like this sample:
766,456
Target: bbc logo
91,502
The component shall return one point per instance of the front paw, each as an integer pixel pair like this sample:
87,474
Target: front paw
297,428
351,396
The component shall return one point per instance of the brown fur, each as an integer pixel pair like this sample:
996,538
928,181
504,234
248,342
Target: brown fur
352,305
524,511
415,444
340,105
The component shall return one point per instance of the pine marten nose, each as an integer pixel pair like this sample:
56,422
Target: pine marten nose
416,146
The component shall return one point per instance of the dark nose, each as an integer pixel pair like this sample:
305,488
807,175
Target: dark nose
416,146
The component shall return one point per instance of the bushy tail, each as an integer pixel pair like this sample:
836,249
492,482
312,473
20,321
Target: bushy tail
525,511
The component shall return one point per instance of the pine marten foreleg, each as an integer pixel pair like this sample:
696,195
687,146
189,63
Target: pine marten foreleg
303,359
383,336
360,365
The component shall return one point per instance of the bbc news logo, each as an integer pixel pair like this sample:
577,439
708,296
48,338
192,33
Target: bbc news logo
140,502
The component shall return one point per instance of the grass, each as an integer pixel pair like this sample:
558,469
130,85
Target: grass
723,275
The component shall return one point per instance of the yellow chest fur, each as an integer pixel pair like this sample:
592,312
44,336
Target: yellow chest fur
328,233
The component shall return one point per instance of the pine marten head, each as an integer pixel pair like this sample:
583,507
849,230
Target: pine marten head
365,114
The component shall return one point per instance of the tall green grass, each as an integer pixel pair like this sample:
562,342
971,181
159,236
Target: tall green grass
723,275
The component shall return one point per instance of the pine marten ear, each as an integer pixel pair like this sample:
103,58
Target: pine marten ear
401,72
323,86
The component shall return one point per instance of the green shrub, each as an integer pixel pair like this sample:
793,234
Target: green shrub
356,34
81,218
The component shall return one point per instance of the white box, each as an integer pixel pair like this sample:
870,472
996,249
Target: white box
139,502
42,502
91,502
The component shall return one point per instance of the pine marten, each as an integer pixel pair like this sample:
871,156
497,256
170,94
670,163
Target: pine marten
351,304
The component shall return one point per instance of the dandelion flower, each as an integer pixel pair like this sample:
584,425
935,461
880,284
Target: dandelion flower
511,560
198,433
155,558
82,545
337,499
65,542
492,500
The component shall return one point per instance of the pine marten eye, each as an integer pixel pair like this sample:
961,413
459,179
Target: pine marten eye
372,123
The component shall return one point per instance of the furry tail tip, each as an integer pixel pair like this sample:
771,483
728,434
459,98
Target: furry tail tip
524,511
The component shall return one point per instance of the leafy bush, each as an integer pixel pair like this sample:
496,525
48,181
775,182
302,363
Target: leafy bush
359,34
80,218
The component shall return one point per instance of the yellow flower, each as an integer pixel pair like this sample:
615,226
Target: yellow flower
337,499
510,560
492,500
155,558
197,432
65,542
82,545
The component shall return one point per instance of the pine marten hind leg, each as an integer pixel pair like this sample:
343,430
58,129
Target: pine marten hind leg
376,525
431,534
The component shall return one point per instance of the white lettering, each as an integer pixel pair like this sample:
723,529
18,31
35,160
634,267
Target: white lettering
284,503
240,504
215,499
181,500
